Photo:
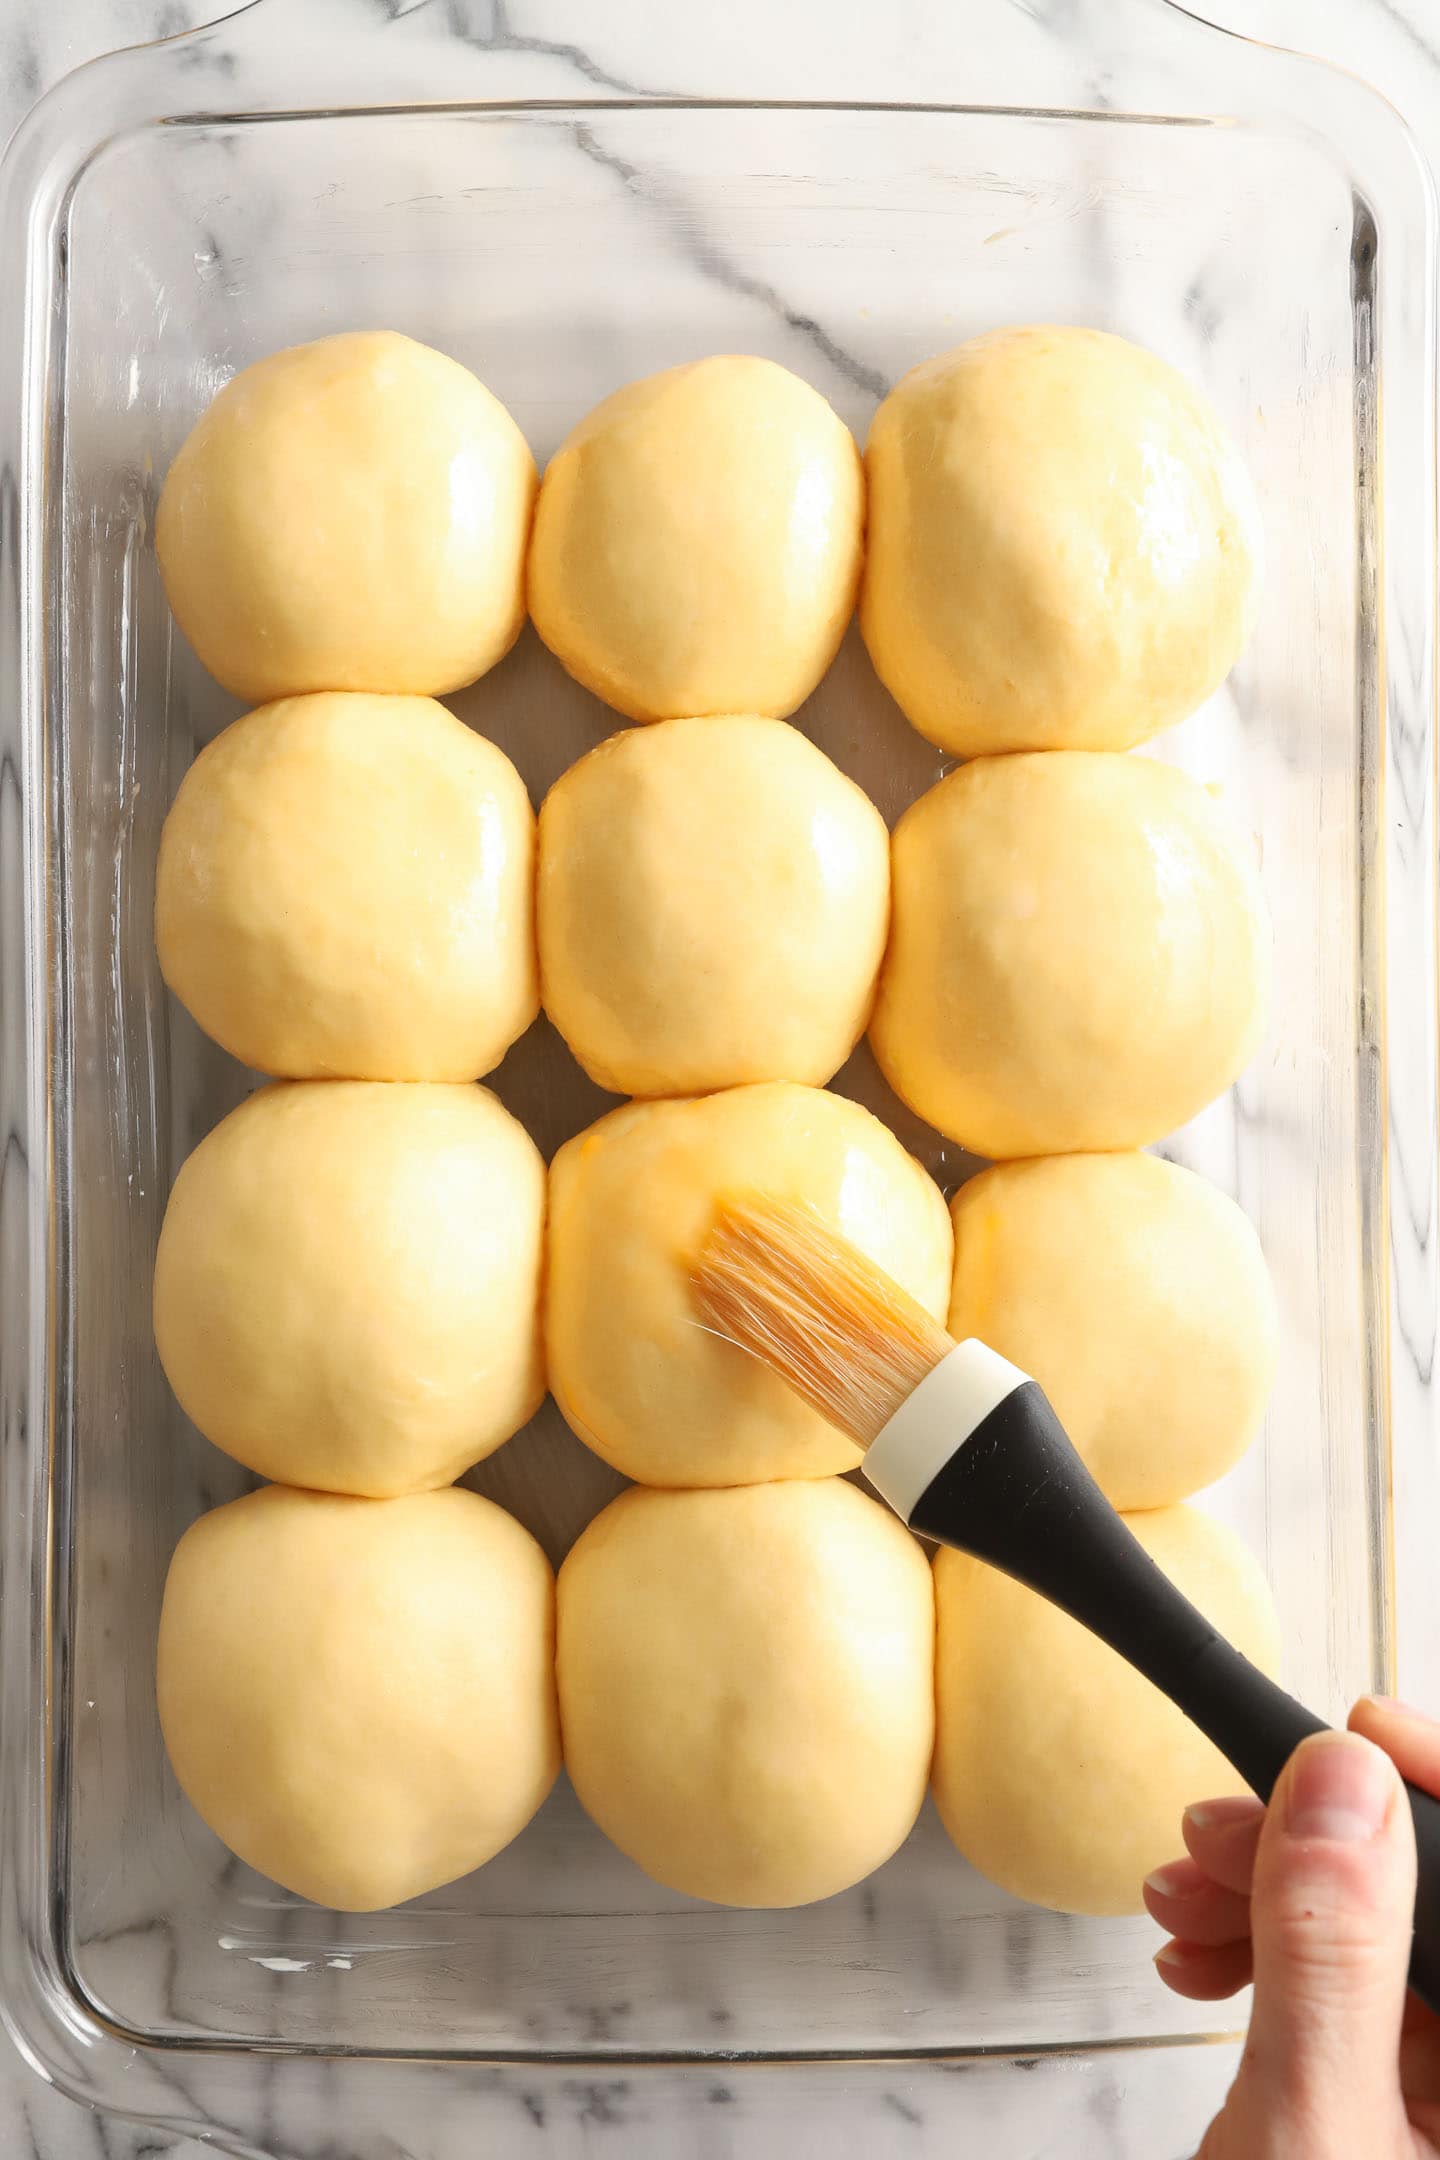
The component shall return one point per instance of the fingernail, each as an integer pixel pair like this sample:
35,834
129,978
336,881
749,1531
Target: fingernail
1173,1880
1219,1814
1393,1705
1339,1789
1172,1954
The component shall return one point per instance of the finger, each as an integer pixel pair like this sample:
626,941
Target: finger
1222,1835
1409,1738
1330,1914
1186,1903
1204,1972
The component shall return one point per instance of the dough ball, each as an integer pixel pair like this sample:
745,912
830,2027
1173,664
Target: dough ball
1138,1296
348,1280
344,890
697,542
1079,954
1059,1772
358,1695
1063,548
713,896
632,1201
349,515
746,1686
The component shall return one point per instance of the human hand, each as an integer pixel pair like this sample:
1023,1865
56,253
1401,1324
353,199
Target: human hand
1313,1899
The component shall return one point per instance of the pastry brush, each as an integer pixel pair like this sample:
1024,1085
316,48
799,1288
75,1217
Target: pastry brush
966,1449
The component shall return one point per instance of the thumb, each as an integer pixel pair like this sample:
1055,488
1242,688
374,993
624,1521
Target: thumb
1331,1913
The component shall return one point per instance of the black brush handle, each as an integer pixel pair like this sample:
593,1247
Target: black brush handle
1014,1493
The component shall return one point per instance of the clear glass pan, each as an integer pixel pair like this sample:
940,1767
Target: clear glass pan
170,215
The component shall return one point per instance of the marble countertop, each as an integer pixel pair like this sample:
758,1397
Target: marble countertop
1144,2104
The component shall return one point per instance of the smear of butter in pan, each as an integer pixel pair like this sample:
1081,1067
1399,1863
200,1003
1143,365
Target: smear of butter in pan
282,1964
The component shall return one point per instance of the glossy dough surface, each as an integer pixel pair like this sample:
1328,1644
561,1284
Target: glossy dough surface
344,890
357,1695
746,1686
1138,1296
349,515
1079,954
1059,1772
347,1283
712,903
1063,547
697,542
631,1202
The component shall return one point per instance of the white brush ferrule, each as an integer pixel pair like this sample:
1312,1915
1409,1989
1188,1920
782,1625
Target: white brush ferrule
935,1421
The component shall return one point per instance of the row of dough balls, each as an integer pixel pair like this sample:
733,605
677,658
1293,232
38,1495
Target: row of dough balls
360,1696
1077,955
356,1291
1059,542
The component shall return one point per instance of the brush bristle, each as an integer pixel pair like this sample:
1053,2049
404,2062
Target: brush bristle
775,1280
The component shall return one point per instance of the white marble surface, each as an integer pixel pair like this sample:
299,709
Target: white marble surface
1130,2106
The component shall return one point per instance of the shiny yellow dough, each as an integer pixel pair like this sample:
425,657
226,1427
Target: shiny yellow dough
358,1695
697,542
348,1280
1138,1296
712,902
1064,544
349,515
344,890
1059,1772
1079,954
746,1686
632,1201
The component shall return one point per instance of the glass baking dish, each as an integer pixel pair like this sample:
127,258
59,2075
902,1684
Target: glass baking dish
171,214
